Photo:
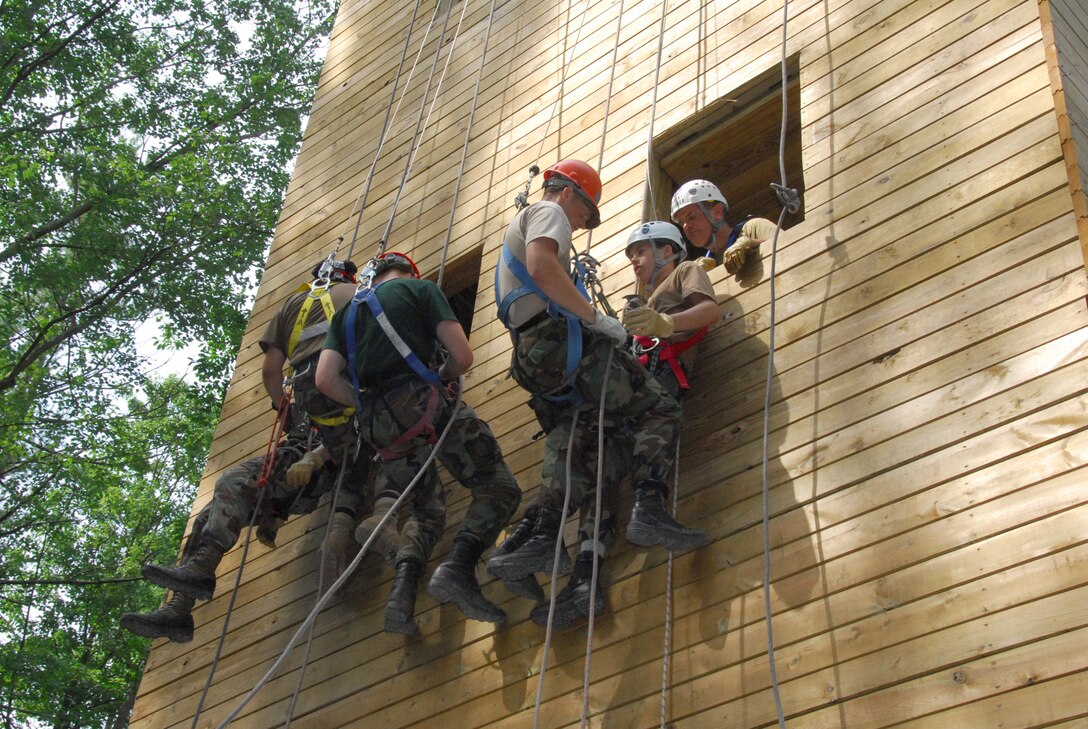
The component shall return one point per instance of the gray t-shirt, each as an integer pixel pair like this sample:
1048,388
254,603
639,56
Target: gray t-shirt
543,219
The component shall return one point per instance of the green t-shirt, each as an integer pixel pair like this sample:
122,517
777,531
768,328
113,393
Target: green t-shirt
414,307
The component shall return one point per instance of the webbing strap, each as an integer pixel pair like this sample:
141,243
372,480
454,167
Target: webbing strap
317,293
670,353
528,286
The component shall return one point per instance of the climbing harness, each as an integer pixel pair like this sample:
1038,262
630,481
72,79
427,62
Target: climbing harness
652,350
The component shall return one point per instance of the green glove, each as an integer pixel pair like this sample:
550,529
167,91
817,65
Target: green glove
648,323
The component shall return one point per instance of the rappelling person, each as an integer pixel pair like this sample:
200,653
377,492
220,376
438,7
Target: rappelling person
667,328
561,354
378,353
699,208
302,468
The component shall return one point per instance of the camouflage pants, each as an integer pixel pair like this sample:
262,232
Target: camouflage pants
470,453
237,491
629,395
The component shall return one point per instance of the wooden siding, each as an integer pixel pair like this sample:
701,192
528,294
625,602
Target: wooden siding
928,430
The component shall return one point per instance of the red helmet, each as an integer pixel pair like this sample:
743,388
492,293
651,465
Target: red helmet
394,259
583,179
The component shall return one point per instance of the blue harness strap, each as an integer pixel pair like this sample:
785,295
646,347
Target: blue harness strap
528,286
370,298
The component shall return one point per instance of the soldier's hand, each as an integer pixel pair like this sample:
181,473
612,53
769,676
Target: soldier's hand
609,327
300,473
736,255
707,263
646,322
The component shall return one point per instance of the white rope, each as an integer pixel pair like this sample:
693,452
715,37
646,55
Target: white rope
350,568
421,130
464,147
360,201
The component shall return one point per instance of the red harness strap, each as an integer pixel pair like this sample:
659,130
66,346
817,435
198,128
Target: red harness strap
399,448
670,353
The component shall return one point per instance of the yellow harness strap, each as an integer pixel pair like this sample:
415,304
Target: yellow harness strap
319,291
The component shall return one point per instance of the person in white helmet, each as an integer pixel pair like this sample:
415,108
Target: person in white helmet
700,209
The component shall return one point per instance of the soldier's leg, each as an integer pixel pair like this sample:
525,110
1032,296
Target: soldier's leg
423,528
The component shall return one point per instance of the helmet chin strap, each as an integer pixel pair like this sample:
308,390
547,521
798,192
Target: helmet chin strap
715,225
659,263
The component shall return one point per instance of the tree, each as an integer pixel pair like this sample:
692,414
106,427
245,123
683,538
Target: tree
144,152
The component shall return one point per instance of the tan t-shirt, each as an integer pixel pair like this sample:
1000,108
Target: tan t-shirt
686,280
544,219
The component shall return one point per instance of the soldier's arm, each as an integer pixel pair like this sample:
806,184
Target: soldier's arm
272,373
330,379
542,261
456,343
702,312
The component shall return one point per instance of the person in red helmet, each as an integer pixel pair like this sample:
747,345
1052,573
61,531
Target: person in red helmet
562,347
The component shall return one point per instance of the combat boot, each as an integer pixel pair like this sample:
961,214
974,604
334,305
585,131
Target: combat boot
650,524
174,620
538,552
386,543
455,581
195,577
522,586
572,602
401,606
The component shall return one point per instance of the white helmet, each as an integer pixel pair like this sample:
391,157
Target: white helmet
659,233
697,192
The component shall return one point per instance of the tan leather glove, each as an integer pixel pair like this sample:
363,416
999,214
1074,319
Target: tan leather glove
648,323
300,473
707,263
339,548
736,255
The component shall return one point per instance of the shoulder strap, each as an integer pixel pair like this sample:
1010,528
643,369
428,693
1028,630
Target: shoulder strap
300,331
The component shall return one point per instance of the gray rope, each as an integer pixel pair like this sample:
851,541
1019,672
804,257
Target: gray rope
653,104
320,589
464,147
667,650
607,105
596,540
421,123
783,196
348,571
360,201
555,575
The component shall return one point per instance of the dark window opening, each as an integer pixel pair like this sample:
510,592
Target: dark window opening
734,143
459,284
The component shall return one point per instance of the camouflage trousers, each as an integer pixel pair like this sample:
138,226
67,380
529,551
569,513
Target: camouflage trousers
470,453
238,489
629,395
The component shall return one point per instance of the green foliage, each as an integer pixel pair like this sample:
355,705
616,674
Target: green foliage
144,151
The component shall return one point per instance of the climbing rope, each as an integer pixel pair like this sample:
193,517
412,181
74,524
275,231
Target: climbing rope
320,590
666,652
464,147
266,470
595,571
653,107
421,123
350,569
790,203
555,572
360,201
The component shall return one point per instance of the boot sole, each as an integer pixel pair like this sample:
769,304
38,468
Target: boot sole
525,587
156,575
648,536
444,593
514,566
147,629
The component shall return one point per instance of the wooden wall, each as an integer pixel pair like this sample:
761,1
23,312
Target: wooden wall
928,436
